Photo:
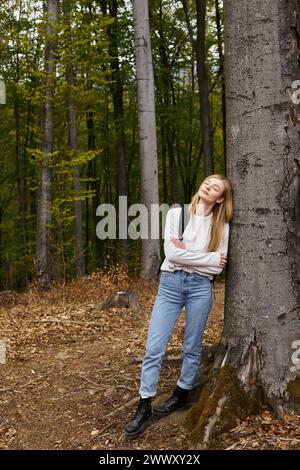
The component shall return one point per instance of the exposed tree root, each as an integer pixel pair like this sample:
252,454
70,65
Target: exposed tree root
221,402
226,395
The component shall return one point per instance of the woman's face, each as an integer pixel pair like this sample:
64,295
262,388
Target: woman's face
211,190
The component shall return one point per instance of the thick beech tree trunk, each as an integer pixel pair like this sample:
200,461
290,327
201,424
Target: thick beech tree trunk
258,357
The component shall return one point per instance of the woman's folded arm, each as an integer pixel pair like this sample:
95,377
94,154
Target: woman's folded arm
190,257
209,261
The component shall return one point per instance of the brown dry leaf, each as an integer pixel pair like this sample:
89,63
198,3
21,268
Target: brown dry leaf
283,445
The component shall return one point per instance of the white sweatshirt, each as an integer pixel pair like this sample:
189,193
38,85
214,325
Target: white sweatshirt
196,237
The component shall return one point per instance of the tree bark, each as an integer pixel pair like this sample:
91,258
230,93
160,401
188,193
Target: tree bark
44,218
256,359
147,132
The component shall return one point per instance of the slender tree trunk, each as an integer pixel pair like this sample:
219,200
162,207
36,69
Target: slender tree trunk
133,112
107,179
147,132
222,74
79,251
166,103
2,92
258,356
44,218
20,180
117,91
164,164
92,173
21,194
203,88
199,49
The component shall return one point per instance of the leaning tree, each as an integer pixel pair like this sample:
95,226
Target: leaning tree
258,358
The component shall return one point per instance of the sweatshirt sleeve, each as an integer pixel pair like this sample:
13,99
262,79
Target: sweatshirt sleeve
209,262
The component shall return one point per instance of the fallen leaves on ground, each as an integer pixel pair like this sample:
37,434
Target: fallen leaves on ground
72,372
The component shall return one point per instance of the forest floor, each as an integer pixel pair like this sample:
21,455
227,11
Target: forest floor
71,375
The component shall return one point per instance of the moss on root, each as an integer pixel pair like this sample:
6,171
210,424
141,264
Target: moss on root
294,389
222,387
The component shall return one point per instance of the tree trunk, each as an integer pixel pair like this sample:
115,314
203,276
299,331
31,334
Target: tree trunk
92,173
79,252
256,359
199,49
20,178
2,92
44,218
164,164
203,88
147,132
166,99
21,195
117,92
222,74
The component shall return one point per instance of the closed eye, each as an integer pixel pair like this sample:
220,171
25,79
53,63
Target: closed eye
216,187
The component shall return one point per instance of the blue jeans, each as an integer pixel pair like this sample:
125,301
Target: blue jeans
175,290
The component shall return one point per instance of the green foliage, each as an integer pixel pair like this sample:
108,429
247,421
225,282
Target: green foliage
98,67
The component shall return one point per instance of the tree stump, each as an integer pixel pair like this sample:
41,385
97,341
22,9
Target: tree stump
122,299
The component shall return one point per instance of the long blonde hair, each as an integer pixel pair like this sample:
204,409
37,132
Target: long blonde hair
222,212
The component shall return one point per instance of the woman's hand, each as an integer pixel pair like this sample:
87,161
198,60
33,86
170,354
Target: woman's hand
178,243
223,260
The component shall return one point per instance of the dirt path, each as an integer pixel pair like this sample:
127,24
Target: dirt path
72,372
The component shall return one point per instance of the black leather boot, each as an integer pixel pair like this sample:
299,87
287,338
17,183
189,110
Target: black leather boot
141,420
177,401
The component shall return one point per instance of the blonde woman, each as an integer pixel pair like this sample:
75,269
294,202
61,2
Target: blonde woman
185,280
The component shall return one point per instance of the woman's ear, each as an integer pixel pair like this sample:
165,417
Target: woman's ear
220,200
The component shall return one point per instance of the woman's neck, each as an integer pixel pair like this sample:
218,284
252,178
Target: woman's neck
204,209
